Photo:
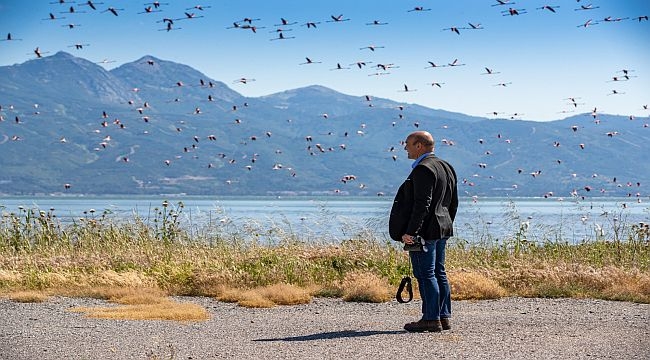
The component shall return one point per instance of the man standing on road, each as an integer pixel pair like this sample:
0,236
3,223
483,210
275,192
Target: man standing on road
424,210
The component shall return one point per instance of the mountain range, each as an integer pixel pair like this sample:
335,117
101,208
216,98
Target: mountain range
152,126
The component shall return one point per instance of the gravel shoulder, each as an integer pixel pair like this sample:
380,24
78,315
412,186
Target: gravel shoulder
510,328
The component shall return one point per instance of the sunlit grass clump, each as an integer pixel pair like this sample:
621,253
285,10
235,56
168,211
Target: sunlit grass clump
98,256
365,287
474,285
28,296
143,304
266,296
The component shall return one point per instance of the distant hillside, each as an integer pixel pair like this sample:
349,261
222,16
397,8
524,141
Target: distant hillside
157,127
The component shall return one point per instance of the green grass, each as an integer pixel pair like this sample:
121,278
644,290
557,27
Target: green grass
37,252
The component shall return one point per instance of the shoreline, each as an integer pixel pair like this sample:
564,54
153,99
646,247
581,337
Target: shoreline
508,328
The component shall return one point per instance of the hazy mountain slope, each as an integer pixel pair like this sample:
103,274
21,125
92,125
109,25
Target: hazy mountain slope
153,126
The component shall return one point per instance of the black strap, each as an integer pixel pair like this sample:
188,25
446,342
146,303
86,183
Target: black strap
406,283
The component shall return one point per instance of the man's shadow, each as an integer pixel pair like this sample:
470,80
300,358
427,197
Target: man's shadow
335,335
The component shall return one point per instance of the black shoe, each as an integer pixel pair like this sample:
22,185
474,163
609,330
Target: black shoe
446,325
424,325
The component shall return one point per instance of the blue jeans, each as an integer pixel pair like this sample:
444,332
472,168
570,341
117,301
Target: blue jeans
429,270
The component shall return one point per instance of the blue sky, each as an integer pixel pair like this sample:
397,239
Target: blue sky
541,57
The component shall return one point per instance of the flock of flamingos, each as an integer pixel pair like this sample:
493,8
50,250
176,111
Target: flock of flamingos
67,13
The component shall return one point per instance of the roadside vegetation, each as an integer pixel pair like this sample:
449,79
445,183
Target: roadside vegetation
147,265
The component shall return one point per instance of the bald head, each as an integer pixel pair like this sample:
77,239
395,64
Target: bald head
424,138
418,143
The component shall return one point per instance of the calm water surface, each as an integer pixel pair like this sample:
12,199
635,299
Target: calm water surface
337,218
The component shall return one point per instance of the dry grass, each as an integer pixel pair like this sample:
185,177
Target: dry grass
630,287
229,295
331,290
285,294
9,277
253,299
365,287
163,310
575,280
143,304
472,285
267,296
133,303
136,296
28,296
99,258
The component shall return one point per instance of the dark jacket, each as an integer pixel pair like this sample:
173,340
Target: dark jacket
426,202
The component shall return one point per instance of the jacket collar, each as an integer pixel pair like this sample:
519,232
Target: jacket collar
417,161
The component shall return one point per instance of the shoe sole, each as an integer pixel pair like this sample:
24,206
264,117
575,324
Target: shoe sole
423,330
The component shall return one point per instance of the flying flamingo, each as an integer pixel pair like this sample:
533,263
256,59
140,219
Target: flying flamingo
339,67
39,53
611,19
617,78
199,7
250,27
310,24
156,4
53,17
385,67
248,20
310,61
434,65
513,12
361,64
285,22
243,80
586,7
10,38
377,22
149,10
406,89
282,37
170,26
78,46
455,63
190,16
453,29
549,8
337,18
588,23
503,2
489,71
72,10
371,47
418,9
91,4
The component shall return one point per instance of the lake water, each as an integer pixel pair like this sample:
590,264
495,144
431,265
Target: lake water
338,218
